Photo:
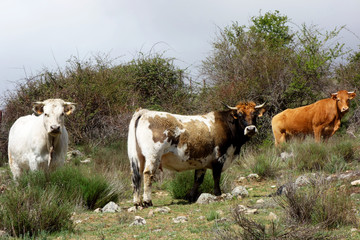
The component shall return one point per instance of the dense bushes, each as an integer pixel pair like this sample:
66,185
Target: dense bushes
44,203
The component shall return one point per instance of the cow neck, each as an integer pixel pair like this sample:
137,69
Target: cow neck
52,141
235,129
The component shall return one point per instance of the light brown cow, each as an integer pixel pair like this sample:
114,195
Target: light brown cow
321,118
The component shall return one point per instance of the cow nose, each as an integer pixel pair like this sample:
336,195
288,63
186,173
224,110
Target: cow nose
55,128
344,109
250,130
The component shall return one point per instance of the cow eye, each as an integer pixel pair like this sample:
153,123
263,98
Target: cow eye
46,115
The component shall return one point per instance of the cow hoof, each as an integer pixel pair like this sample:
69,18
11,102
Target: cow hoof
147,204
192,198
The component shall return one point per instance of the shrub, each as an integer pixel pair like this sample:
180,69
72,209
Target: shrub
31,210
264,162
212,215
321,203
250,230
266,166
183,182
92,191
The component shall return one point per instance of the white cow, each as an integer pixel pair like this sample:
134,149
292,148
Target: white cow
39,141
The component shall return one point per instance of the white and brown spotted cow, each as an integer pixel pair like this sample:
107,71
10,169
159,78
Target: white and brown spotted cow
177,142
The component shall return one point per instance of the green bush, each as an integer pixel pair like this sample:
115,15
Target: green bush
92,191
320,203
266,165
212,215
31,210
309,155
180,186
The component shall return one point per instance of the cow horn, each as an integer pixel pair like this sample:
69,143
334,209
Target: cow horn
260,106
351,92
231,108
69,103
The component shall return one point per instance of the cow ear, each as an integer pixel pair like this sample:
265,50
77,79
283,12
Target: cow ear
233,114
261,112
352,95
38,108
334,96
69,108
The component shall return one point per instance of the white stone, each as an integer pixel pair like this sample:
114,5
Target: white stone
111,207
162,210
139,221
206,198
355,183
240,191
180,219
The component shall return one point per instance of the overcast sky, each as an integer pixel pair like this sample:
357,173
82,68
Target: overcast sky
38,34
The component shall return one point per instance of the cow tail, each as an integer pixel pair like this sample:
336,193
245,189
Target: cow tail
133,149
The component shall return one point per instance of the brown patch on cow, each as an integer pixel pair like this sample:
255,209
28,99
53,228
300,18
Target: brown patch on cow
158,126
198,139
195,135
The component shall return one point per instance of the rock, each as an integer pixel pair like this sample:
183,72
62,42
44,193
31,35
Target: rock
132,209
285,156
253,176
180,219
151,213
77,221
206,198
162,210
246,210
111,207
268,203
241,179
355,183
240,191
88,160
272,216
98,210
226,196
301,181
201,217
139,221
74,153
260,201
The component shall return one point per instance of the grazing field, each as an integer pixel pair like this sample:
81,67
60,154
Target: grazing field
330,202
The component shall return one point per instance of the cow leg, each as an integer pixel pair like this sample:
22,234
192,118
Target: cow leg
151,166
217,169
198,179
279,137
317,133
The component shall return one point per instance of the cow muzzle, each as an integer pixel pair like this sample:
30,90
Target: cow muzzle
344,109
250,130
54,130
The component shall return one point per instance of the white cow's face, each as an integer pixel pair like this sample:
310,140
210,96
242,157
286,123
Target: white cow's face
53,111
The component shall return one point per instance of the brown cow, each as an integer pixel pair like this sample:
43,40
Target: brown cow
321,118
